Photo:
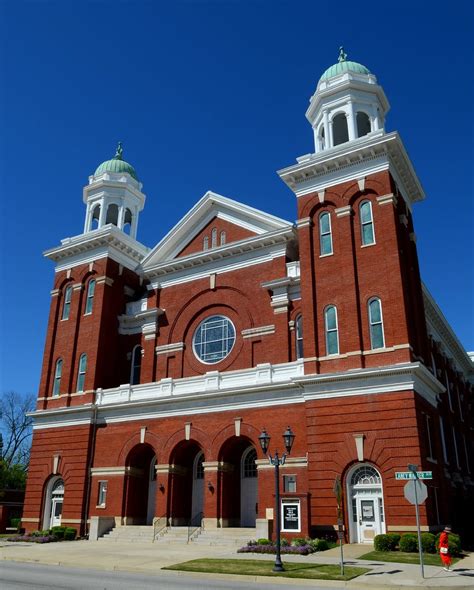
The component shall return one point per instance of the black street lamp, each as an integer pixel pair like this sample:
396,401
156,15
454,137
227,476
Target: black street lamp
276,461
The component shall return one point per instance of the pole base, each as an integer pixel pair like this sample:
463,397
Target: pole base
278,567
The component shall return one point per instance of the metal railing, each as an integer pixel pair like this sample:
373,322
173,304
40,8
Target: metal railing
195,525
159,525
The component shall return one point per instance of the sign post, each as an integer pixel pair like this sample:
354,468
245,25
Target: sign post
337,489
413,469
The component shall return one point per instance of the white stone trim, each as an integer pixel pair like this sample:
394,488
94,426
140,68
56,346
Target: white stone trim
260,331
290,462
343,212
388,198
169,348
106,471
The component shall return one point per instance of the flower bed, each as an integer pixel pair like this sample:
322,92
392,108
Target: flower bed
298,546
33,539
302,550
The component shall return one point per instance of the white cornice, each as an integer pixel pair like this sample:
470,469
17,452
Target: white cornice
440,329
367,155
136,323
107,241
230,257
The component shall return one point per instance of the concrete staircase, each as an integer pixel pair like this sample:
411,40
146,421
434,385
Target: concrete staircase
232,537
173,534
129,534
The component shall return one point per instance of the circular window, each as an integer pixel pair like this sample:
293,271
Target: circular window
214,339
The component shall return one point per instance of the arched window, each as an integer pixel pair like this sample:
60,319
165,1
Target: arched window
137,355
325,234
366,475
127,222
249,467
214,237
112,214
377,339
223,238
95,217
57,377
363,124
366,223
90,296
81,374
199,466
332,330
53,506
340,132
205,243
67,302
299,337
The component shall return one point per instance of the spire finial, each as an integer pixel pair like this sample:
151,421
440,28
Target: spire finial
342,54
118,151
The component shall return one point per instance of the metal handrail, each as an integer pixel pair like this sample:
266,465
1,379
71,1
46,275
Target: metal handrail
195,524
159,524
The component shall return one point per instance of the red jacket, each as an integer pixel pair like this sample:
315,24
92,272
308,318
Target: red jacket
443,540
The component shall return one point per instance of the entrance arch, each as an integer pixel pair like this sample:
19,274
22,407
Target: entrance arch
365,503
238,483
53,506
186,483
140,485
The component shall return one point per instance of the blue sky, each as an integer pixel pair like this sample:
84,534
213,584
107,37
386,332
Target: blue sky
212,95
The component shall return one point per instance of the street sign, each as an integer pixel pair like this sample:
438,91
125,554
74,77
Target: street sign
411,475
417,496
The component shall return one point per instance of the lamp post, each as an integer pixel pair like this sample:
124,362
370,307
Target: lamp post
276,461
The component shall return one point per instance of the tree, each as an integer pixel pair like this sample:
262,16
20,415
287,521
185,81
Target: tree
15,438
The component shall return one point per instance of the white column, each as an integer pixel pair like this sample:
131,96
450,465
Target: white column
330,139
121,215
351,122
103,213
134,224
326,129
87,224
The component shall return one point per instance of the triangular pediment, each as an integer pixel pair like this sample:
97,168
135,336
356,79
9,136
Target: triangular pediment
237,221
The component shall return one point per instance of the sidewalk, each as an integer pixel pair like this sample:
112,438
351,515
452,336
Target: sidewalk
150,558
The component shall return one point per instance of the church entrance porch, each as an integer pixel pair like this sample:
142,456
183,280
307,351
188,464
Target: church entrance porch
238,484
186,499
140,486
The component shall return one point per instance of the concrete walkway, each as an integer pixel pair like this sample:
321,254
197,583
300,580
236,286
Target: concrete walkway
150,558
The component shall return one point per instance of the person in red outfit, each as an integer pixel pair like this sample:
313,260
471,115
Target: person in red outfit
443,547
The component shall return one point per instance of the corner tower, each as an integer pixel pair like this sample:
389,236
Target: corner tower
113,196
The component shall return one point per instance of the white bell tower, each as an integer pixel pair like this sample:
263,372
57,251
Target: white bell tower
113,196
348,104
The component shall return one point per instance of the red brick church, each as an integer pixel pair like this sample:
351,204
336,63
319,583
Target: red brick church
162,366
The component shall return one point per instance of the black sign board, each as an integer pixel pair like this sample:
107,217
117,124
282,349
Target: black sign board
291,516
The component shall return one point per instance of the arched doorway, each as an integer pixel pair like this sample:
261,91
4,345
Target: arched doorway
238,483
53,506
140,486
186,483
365,503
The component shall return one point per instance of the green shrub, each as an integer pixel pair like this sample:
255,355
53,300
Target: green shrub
284,542
44,533
264,542
454,543
58,531
409,543
299,541
394,540
15,523
428,543
382,543
70,534
319,544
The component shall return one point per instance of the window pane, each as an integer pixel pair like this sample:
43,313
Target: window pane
326,247
375,311
368,234
214,339
377,336
365,212
331,318
332,343
324,223
80,382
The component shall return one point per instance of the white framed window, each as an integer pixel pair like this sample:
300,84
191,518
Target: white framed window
205,243
377,337
249,466
299,337
102,494
90,297
214,237
443,440
456,454
213,339
366,223
325,234
332,330
289,483
136,367
429,437
81,374
223,238
67,302
57,377
199,466
448,389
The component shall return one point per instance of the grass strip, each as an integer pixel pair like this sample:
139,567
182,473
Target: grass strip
400,557
251,567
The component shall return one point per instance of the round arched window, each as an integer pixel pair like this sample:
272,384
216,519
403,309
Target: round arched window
214,339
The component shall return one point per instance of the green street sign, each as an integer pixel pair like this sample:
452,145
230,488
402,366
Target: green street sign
411,475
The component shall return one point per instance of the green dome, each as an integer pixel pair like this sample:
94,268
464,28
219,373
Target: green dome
116,165
344,66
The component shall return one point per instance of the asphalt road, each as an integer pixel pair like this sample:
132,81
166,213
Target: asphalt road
26,576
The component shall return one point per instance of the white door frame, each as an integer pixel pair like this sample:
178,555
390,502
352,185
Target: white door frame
248,493
365,484
51,499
